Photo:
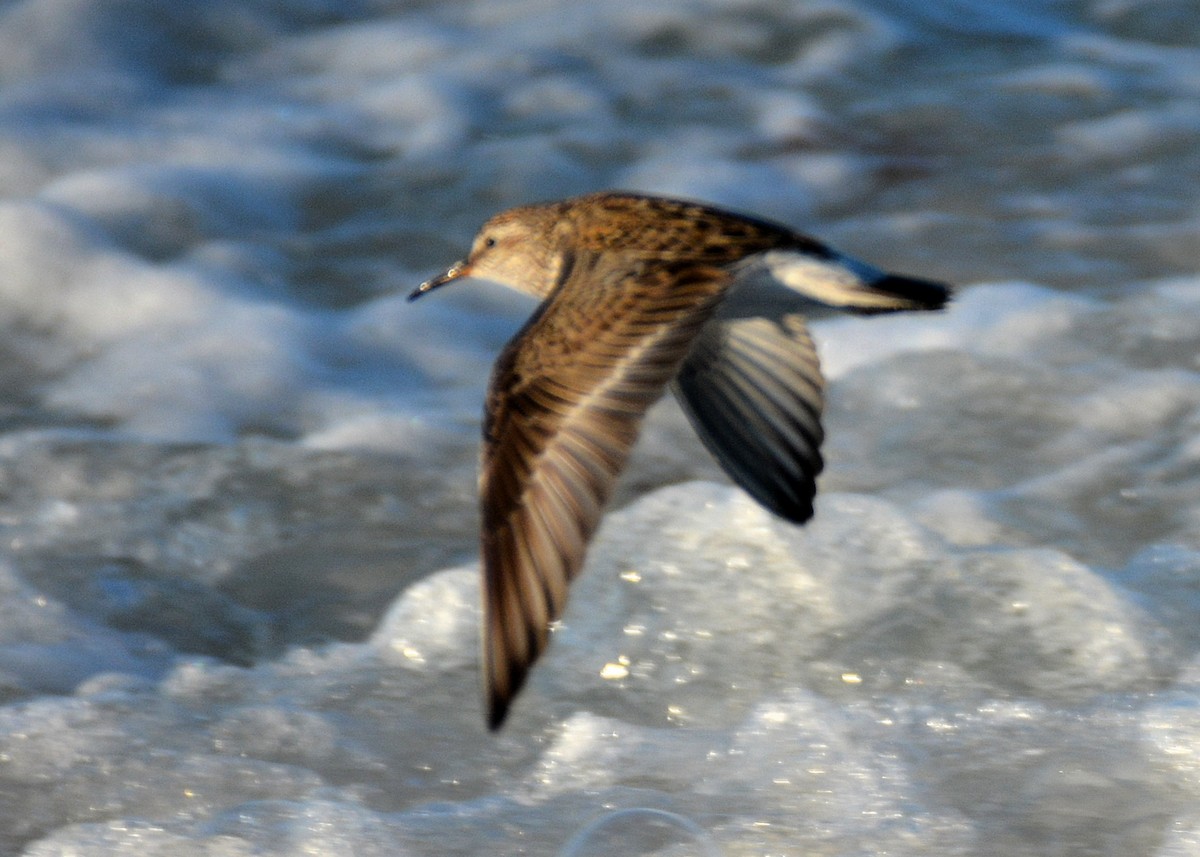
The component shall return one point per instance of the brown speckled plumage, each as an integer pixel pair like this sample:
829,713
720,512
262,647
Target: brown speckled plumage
640,292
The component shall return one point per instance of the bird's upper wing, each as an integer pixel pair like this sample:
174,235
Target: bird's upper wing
565,405
753,390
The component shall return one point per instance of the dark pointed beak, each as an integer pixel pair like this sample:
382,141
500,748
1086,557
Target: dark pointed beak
455,272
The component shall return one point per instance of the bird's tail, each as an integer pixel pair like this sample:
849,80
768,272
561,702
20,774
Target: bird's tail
911,292
845,283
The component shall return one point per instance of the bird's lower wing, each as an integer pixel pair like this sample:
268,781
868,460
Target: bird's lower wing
753,390
565,406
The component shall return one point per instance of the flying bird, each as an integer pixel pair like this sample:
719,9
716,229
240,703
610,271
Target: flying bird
639,293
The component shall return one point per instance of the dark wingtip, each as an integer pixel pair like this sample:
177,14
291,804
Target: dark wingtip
500,691
496,715
796,512
496,718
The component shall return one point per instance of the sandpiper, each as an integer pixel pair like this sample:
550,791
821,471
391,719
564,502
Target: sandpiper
638,293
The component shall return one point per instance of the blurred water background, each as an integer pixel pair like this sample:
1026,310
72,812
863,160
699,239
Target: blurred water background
237,470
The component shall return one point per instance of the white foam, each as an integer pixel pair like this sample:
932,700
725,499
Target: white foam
435,624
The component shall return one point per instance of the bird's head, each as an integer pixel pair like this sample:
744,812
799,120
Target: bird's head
515,248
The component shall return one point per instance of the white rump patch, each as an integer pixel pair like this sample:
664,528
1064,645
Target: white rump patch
839,281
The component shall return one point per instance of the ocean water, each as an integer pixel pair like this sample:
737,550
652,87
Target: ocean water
237,469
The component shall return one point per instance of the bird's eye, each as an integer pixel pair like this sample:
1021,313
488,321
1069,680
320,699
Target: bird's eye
489,242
